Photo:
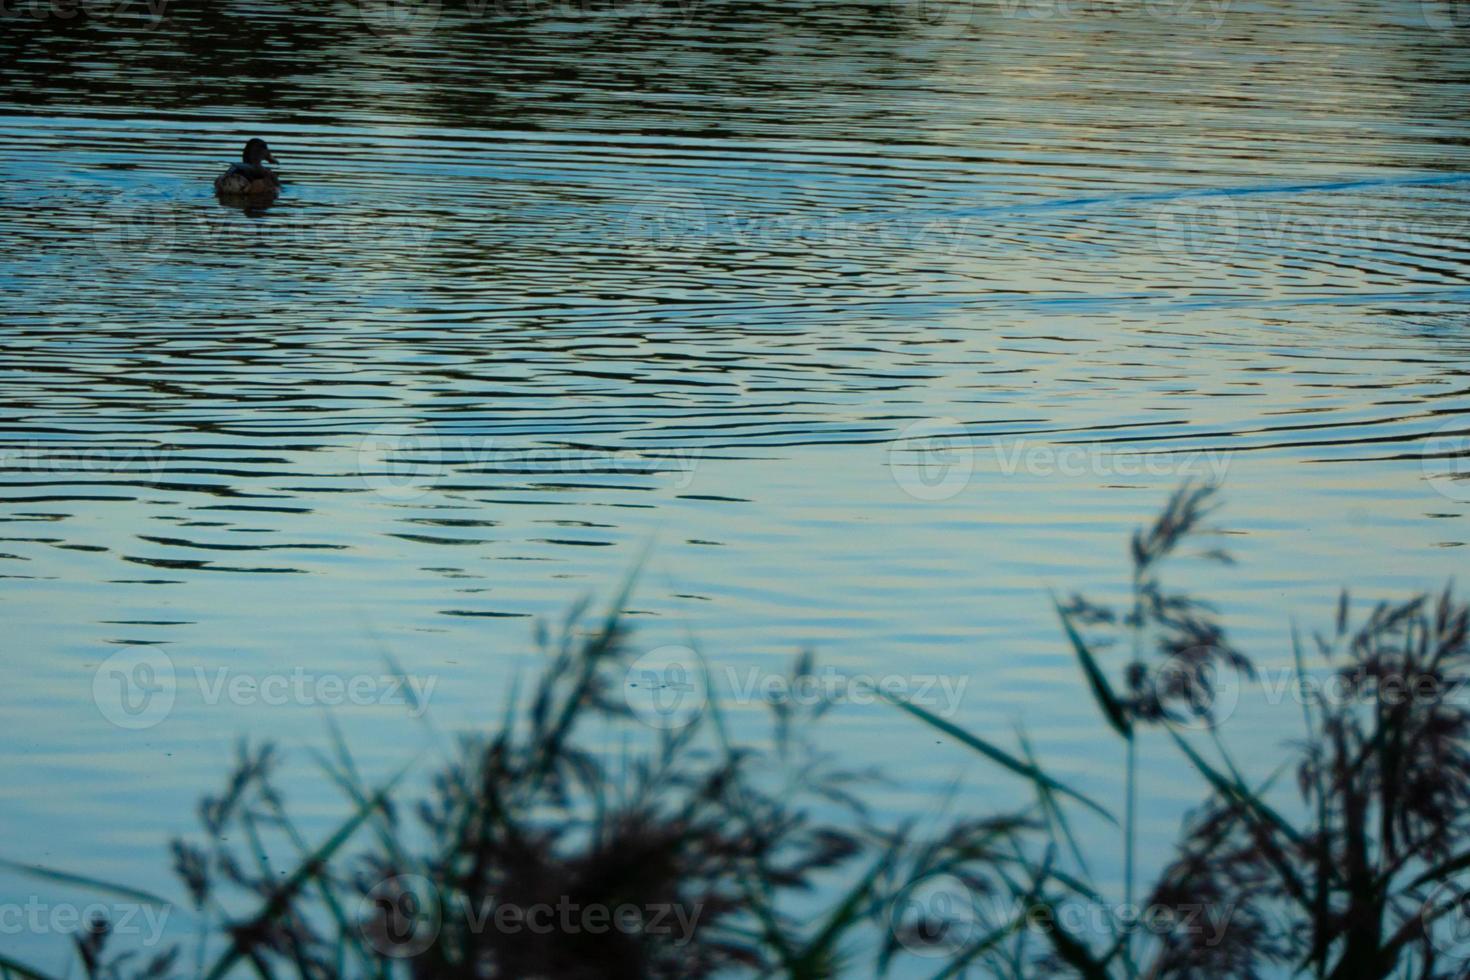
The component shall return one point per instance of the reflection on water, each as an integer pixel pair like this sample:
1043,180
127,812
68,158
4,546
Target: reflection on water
873,319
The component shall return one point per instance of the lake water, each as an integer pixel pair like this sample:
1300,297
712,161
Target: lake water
868,323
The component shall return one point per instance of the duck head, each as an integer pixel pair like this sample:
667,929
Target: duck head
255,152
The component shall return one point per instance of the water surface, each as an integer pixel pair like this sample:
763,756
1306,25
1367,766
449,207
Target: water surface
867,323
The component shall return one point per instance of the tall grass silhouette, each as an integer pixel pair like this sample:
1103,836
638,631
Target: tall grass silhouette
698,856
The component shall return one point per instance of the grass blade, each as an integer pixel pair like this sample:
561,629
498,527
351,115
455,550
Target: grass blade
1455,864
1056,818
1102,692
1232,789
68,878
821,950
24,972
281,899
995,754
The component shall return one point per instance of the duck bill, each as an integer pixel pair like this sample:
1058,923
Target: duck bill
270,157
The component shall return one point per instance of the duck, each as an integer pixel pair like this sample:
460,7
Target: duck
249,178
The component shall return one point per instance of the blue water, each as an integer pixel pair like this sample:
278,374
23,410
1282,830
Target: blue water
868,324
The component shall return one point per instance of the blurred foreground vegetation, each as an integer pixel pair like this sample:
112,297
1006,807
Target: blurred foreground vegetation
538,854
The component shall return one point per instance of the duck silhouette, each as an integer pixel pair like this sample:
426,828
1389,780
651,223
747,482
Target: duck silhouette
250,177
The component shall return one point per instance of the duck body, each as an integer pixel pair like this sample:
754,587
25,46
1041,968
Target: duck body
250,177
242,179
